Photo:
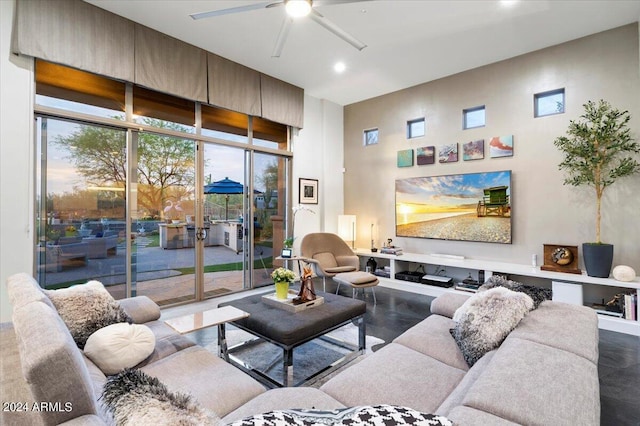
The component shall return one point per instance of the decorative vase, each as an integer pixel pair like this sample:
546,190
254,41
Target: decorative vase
598,259
282,290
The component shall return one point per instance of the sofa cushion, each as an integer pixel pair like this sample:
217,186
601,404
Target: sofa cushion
447,303
538,294
86,308
135,398
52,364
383,377
456,397
529,383
22,288
218,385
432,337
471,417
487,320
364,415
141,309
284,398
548,325
119,346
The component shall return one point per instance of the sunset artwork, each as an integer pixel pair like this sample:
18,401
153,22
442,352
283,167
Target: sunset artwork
462,207
501,146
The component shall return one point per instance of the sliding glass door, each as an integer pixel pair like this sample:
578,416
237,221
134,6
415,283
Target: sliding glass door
81,220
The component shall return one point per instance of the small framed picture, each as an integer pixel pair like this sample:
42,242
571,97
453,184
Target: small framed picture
286,253
308,191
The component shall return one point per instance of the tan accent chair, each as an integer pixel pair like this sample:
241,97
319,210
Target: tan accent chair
328,254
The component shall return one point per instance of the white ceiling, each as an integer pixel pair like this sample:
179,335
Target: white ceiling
409,42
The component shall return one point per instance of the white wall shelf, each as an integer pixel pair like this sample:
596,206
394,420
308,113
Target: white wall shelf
568,287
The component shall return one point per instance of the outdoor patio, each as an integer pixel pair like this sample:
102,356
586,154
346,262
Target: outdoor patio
160,272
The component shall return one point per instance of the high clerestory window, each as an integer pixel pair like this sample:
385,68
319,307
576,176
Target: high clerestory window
548,103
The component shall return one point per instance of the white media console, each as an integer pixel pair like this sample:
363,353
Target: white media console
566,287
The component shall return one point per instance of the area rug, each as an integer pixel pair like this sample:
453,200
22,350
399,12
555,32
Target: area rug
308,359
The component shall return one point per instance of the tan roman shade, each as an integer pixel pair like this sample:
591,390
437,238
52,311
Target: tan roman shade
87,38
282,102
77,34
233,86
169,65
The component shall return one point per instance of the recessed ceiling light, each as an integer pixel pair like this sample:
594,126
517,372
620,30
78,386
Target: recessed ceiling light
339,67
508,3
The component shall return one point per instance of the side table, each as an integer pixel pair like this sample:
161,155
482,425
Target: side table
199,320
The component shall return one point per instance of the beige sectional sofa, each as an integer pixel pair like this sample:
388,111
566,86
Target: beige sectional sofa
544,373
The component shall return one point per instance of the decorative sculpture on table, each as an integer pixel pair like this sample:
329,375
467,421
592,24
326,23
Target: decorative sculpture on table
307,292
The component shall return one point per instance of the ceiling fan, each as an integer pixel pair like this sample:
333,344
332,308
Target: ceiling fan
294,9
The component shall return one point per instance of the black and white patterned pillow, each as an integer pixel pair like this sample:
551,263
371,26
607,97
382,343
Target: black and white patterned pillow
86,308
377,415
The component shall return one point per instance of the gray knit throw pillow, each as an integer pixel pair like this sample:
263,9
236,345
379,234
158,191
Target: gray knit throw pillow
487,320
538,294
86,308
134,398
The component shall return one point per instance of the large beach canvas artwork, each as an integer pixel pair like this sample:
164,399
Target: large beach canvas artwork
501,146
461,207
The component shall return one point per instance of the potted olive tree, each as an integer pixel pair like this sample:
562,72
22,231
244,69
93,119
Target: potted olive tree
598,150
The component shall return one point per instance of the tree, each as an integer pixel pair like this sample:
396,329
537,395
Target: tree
597,150
165,164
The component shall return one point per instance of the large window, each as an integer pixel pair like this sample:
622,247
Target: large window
123,190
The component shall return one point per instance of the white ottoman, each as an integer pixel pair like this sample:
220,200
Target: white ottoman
356,280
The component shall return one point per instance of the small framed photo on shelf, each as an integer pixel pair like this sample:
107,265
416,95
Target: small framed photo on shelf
286,253
308,191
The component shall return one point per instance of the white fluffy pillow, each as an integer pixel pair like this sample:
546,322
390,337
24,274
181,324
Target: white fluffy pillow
119,346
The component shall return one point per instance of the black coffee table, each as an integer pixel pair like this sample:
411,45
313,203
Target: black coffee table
289,330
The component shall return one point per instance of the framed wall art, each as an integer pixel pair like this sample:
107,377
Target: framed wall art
405,158
473,150
308,191
426,155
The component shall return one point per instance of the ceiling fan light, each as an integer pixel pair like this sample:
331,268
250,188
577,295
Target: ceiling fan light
298,8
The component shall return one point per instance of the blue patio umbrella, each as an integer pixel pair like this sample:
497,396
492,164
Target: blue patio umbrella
226,187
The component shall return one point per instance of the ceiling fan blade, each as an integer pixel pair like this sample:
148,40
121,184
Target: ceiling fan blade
320,19
334,2
282,37
231,10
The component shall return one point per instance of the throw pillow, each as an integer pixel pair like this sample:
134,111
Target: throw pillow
86,308
135,398
489,318
353,416
119,346
538,294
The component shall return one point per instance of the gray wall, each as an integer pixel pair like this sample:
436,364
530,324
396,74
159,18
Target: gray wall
603,65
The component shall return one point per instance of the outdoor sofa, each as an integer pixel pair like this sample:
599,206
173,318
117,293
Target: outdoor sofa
545,371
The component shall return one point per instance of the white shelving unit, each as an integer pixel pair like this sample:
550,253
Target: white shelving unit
566,287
